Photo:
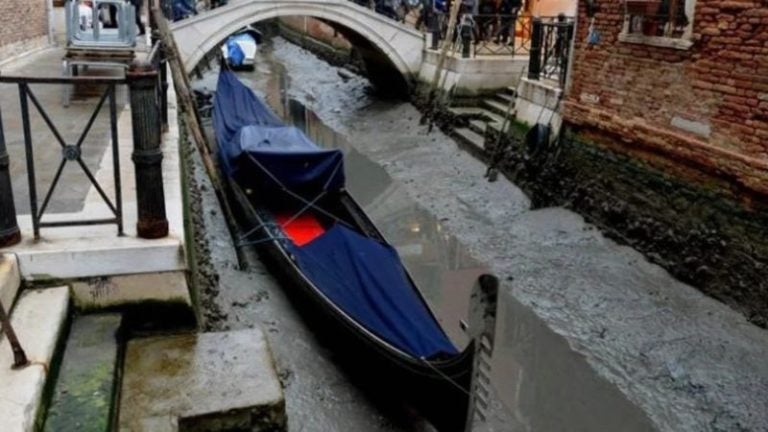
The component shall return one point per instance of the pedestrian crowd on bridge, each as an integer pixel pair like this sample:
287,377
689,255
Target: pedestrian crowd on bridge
485,20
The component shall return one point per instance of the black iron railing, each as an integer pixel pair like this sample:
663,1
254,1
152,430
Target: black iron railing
71,152
551,44
503,35
493,34
147,90
147,85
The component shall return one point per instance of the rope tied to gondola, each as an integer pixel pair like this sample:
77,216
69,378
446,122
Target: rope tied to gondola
307,203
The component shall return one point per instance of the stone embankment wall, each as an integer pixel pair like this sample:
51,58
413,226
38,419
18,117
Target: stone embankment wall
23,26
667,146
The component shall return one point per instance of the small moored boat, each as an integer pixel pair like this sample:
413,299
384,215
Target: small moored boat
291,195
240,49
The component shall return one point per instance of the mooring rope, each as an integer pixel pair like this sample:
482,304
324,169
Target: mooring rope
260,241
301,198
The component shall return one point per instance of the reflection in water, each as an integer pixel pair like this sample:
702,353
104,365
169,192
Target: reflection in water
545,385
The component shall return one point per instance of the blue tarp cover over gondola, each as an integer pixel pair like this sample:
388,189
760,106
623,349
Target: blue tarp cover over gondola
262,153
361,276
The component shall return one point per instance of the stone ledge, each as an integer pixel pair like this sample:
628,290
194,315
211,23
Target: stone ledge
38,320
85,257
107,291
210,377
657,41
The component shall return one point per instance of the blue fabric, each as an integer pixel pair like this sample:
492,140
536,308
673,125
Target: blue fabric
235,54
366,279
260,152
363,277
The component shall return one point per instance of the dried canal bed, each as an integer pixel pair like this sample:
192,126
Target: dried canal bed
619,322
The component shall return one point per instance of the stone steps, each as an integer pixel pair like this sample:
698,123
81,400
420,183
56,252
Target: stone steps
470,138
462,111
38,319
505,98
495,106
84,394
478,126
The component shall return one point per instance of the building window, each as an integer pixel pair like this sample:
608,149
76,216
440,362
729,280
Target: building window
667,23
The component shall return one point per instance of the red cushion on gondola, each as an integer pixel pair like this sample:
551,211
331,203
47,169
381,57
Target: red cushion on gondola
301,230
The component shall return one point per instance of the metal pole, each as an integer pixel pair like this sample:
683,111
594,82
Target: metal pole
147,156
9,227
163,86
534,64
434,26
19,357
25,122
466,36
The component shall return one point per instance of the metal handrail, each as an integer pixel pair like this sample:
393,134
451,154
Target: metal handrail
492,43
551,45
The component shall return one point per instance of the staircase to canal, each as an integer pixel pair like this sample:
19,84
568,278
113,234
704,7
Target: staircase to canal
105,371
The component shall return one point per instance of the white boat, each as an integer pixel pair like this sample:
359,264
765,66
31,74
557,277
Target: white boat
240,49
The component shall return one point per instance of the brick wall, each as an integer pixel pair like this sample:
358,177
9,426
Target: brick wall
317,30
21,21
705,107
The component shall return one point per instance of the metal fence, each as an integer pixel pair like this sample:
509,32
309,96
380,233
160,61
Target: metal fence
70,151
492,35
147,85
551,45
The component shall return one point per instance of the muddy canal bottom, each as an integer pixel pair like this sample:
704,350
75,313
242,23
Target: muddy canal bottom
442,267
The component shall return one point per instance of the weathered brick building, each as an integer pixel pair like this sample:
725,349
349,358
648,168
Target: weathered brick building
667,138
23,26
701,98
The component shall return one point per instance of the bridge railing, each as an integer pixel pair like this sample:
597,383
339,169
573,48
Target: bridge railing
488,34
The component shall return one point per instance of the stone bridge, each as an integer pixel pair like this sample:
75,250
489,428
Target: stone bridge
401,45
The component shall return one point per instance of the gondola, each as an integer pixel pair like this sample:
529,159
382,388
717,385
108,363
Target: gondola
291,198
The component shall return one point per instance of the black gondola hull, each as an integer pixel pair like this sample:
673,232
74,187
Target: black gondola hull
439,390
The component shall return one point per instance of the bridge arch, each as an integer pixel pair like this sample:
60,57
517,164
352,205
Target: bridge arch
402,45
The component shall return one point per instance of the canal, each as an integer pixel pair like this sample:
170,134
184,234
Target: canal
449,225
